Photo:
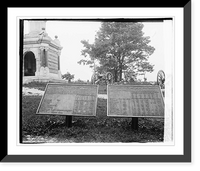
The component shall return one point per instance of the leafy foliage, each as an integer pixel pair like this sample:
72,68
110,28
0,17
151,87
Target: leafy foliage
68,76
119,46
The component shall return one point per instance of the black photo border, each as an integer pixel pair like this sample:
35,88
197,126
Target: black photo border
186,157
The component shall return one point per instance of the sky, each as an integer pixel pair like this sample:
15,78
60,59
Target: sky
70,34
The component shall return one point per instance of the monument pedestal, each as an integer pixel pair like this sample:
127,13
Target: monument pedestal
41,54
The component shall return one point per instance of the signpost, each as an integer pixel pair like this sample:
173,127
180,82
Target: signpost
70,100
135,101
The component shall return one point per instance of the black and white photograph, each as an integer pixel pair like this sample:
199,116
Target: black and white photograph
97,80
99,85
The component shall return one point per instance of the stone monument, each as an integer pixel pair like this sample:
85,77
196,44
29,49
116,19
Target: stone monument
41,55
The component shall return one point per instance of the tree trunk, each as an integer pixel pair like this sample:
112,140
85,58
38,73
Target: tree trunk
116,75
120,72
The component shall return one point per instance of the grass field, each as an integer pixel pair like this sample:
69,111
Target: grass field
52,129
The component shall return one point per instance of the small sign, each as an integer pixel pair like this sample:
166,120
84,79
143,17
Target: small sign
69,99
135,101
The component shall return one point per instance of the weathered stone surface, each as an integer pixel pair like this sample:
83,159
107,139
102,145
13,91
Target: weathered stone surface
46,52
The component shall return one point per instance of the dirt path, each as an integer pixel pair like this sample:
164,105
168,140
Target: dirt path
35,92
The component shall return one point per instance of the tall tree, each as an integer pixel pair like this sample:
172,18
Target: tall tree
119,46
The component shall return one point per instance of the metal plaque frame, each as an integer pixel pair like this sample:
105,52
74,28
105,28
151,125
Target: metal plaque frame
70,98
127,92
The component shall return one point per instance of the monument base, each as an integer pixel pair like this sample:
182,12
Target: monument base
43,75
28,79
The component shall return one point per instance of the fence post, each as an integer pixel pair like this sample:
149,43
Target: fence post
134,123
68,121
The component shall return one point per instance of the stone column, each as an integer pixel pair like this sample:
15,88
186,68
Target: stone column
58,62
41,62
45,60
59,73
46,56
24,53
38,65
37,57
41,56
